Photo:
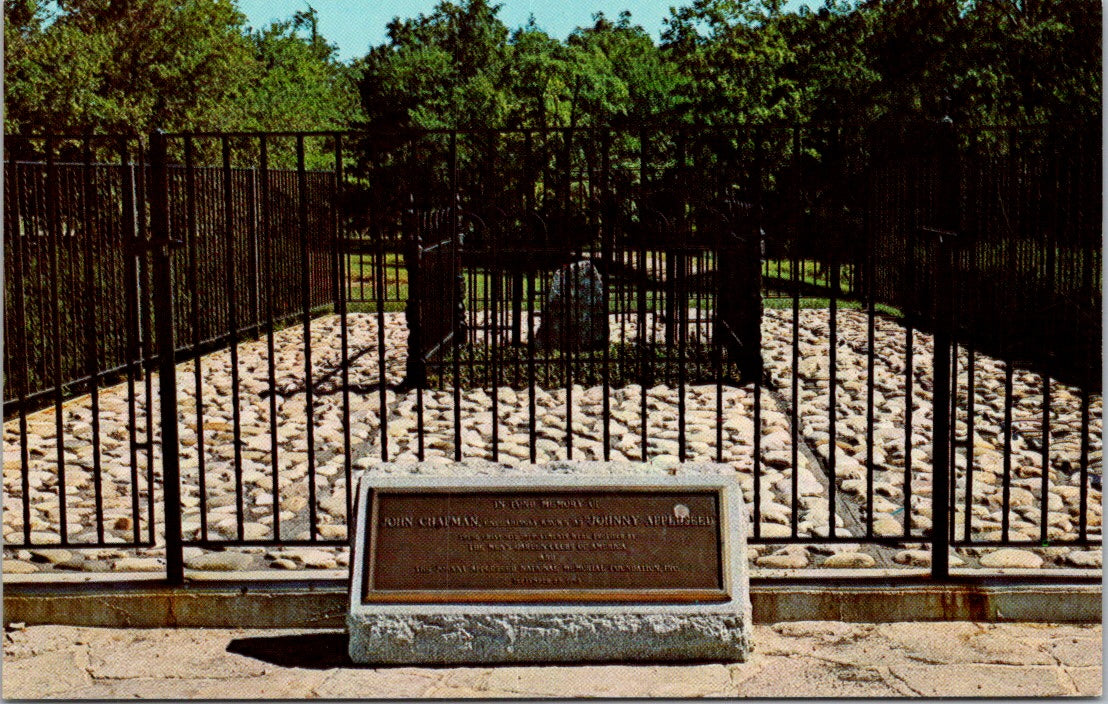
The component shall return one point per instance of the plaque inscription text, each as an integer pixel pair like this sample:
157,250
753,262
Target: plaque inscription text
581,544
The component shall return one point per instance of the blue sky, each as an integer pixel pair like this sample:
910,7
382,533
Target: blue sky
356,25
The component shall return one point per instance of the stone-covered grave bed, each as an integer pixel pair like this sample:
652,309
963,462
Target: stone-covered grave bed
625,420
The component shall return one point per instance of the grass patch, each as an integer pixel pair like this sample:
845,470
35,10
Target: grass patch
361,277
787,304
808,271
371,307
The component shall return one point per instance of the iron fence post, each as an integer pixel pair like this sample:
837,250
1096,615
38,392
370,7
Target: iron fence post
943,294
162,291
413,241
940,451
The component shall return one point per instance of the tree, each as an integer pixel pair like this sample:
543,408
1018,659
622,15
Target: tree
437,70
537,77
130,67
298,81
733,54
123,67
831,71
651,82
1031,62
557,84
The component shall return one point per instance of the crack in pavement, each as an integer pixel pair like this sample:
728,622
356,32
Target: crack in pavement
903,683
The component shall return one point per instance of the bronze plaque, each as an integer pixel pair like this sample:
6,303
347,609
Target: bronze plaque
630,544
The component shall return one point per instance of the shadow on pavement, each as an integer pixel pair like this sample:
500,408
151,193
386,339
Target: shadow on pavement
311,651
328,650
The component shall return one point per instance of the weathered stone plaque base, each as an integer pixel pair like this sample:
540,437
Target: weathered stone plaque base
487,636
496,630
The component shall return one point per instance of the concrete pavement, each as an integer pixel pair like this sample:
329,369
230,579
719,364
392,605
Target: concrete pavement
794,659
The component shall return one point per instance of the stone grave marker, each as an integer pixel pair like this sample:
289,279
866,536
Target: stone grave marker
574,317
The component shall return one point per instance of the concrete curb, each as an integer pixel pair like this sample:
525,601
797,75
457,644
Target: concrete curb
319,599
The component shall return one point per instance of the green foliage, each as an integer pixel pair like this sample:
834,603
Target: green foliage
459,66
109,66
651,83
735,55
299,82
1031,62
437,70
1003,61
126,67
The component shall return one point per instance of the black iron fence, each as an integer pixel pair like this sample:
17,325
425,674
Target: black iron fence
72,289
79,307
376,254
862,402
1029,269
